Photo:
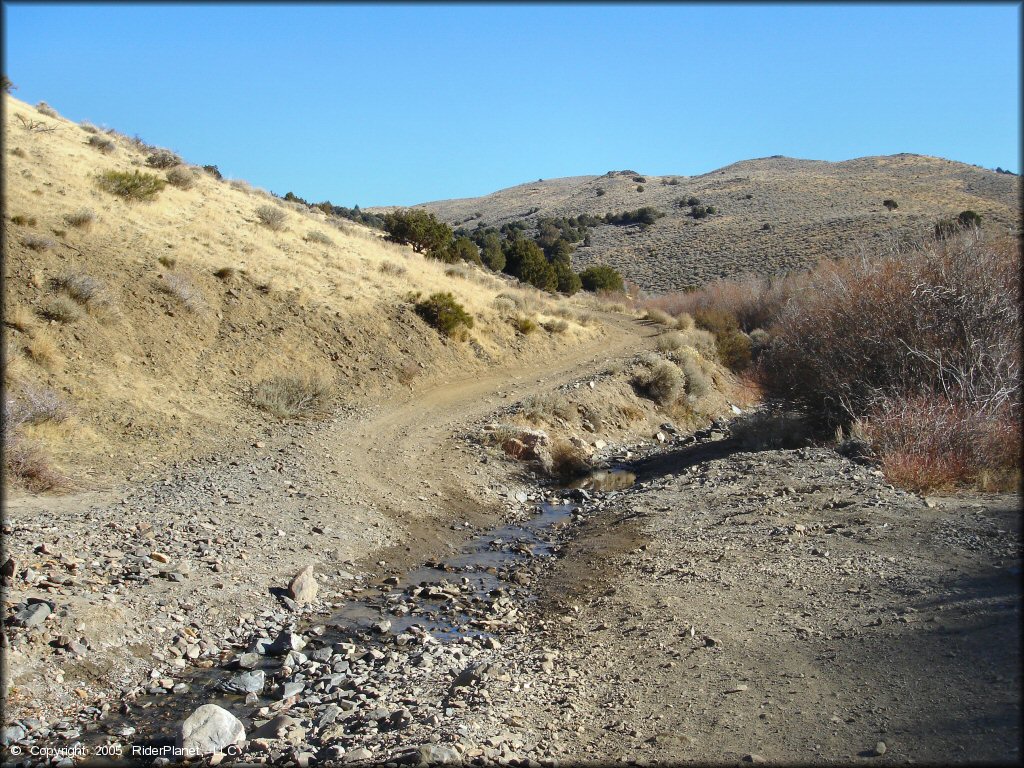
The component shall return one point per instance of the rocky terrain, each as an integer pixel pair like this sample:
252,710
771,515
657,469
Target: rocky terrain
774,214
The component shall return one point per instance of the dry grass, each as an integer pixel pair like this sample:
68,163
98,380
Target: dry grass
101,143
226,273
272,217
170,262
88,127
20,319
318,237
181,288
555,326
392,268
293,396
524,325
41,348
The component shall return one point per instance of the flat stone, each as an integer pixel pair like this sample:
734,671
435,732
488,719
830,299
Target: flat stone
32,615
433,754
247,682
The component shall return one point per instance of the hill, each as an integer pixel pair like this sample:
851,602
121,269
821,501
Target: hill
157,324
773,214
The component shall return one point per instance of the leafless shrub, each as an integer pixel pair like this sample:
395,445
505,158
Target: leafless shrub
35,404
182,177
555,326
182,289
272,217
84,289
505,305
392,268
548,408
82,219
45,109
88,127
163,158
38,242
586,318
26,463
293,396
101,143
35,126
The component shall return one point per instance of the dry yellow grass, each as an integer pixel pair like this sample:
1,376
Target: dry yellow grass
154,380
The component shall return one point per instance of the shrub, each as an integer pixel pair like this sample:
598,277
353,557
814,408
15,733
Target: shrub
658,316
214,171
491,252
466,250
181,177
569,282
168,261
547,408
422,231
890,204
661,381
392,268
26,463
45,109
697,383
35,404
444,313
102,143
60,308
459,271
163,158
318,237
88,127
226,273
80,287
82,219
934,328
23,221
601,278
291,396
41,348
555,326
600,192
671,342
272,217
734,350
716,320
525,260
38,242
132,186
524,325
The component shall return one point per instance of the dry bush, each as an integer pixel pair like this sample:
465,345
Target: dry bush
555,326
458,270
505,305
82,219
697,383
225,273
931,332
101,143
60,308
18,152
290,396
586,318
703,342
170,262
35,404
38,242
568,460
318,237
88,127
547,408
931,443
241,185
684,321
671,342
392,268
20,319
181,177
45,109
272,217
658,316
182,289
86,291
27,464
163,158
23,221
661,381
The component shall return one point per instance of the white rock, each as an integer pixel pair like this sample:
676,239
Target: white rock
303,587
210,729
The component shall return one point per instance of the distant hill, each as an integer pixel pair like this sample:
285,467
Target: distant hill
774,214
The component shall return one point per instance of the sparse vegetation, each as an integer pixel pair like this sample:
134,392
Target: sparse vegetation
101,143
555,326
182,177
45,109
569,459
133,186
289,397
272,217
38,242
524,325
163,159
392,268
226,273
80,219
181,288
443,312
659,380
63,309
315,236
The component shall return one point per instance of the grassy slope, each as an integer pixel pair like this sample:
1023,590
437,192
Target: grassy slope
154,380
816,210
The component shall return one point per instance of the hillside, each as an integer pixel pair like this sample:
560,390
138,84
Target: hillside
774,214
153,323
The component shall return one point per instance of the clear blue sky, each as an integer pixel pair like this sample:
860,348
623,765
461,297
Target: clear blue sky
399,104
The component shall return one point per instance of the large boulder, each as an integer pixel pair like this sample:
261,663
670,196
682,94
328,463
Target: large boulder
210,729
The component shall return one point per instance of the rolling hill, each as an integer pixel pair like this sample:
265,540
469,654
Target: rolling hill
774,214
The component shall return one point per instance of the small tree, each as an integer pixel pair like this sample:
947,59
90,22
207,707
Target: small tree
890,204
466,250
568,281
491,253
968,219
601,278
525,260
442,311
421,230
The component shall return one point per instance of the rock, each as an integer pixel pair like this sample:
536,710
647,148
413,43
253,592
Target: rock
302,589
7,571
291,689
274,729
752,758
521,497
32,615
737,688
247,682
880,749
11,734
159,557
433,754
660,437
285,642
382,626
359,753
599,444
210,729
249,660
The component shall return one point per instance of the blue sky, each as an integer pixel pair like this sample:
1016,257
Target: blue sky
399,104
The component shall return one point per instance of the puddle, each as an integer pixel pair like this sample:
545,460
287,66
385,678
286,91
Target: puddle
450,599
